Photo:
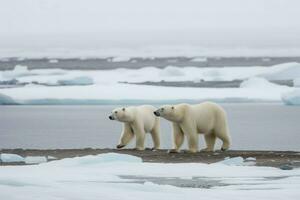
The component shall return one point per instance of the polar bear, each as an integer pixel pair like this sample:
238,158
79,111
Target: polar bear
138,120
206,118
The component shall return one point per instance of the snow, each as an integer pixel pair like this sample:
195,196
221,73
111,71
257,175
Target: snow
51,158
199,59
35,159
53,61
238,161
250,159
116,176
292,97
7,157
257,82
286,71
106,85
171,72
120,59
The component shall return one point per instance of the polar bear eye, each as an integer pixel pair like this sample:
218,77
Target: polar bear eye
123,109
172,107
116,112
162,109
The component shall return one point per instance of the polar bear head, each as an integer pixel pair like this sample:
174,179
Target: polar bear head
170,112
121,114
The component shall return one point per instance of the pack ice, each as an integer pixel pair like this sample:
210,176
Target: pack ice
119,176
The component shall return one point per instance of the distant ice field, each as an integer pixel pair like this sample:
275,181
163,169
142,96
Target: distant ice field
57,86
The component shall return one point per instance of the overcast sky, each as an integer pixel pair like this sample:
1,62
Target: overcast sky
147,22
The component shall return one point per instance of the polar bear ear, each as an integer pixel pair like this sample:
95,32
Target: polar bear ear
123,109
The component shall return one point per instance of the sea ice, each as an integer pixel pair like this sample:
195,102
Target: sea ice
120,59
171,71
256,82
81,80
297,82
236,161
35,159
115,175
292,97
7,157
199,59
110,83
53,61
6,100
285,71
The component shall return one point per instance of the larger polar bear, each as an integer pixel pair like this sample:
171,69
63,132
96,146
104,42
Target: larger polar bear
207,118
138,120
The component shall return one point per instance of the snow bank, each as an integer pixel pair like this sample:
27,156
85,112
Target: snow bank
53,61
199,59
120,59
286,71
257,82
82,177
171,71
35,159
292,97
6,157
238,161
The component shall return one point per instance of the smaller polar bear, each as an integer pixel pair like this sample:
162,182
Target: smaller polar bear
138,120
190,120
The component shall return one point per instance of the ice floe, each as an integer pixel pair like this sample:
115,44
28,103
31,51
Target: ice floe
6,100
119,176
292,97
35,159
7,157
238,161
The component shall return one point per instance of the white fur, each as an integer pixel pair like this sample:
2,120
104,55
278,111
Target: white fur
138,120
190,120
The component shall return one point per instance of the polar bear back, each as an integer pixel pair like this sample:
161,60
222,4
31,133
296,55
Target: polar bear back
207,116
144,114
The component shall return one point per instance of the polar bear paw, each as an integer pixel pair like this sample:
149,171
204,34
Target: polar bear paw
151,149
173,151
139,149
224,149
120,146
206,150
189,151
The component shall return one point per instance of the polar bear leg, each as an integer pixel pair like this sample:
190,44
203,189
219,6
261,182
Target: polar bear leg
140,138
210,140
155,135
126,136
192,137
225,139
155,138
193,142
178,138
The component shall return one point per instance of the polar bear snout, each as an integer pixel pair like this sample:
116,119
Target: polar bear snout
111,117
156,113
